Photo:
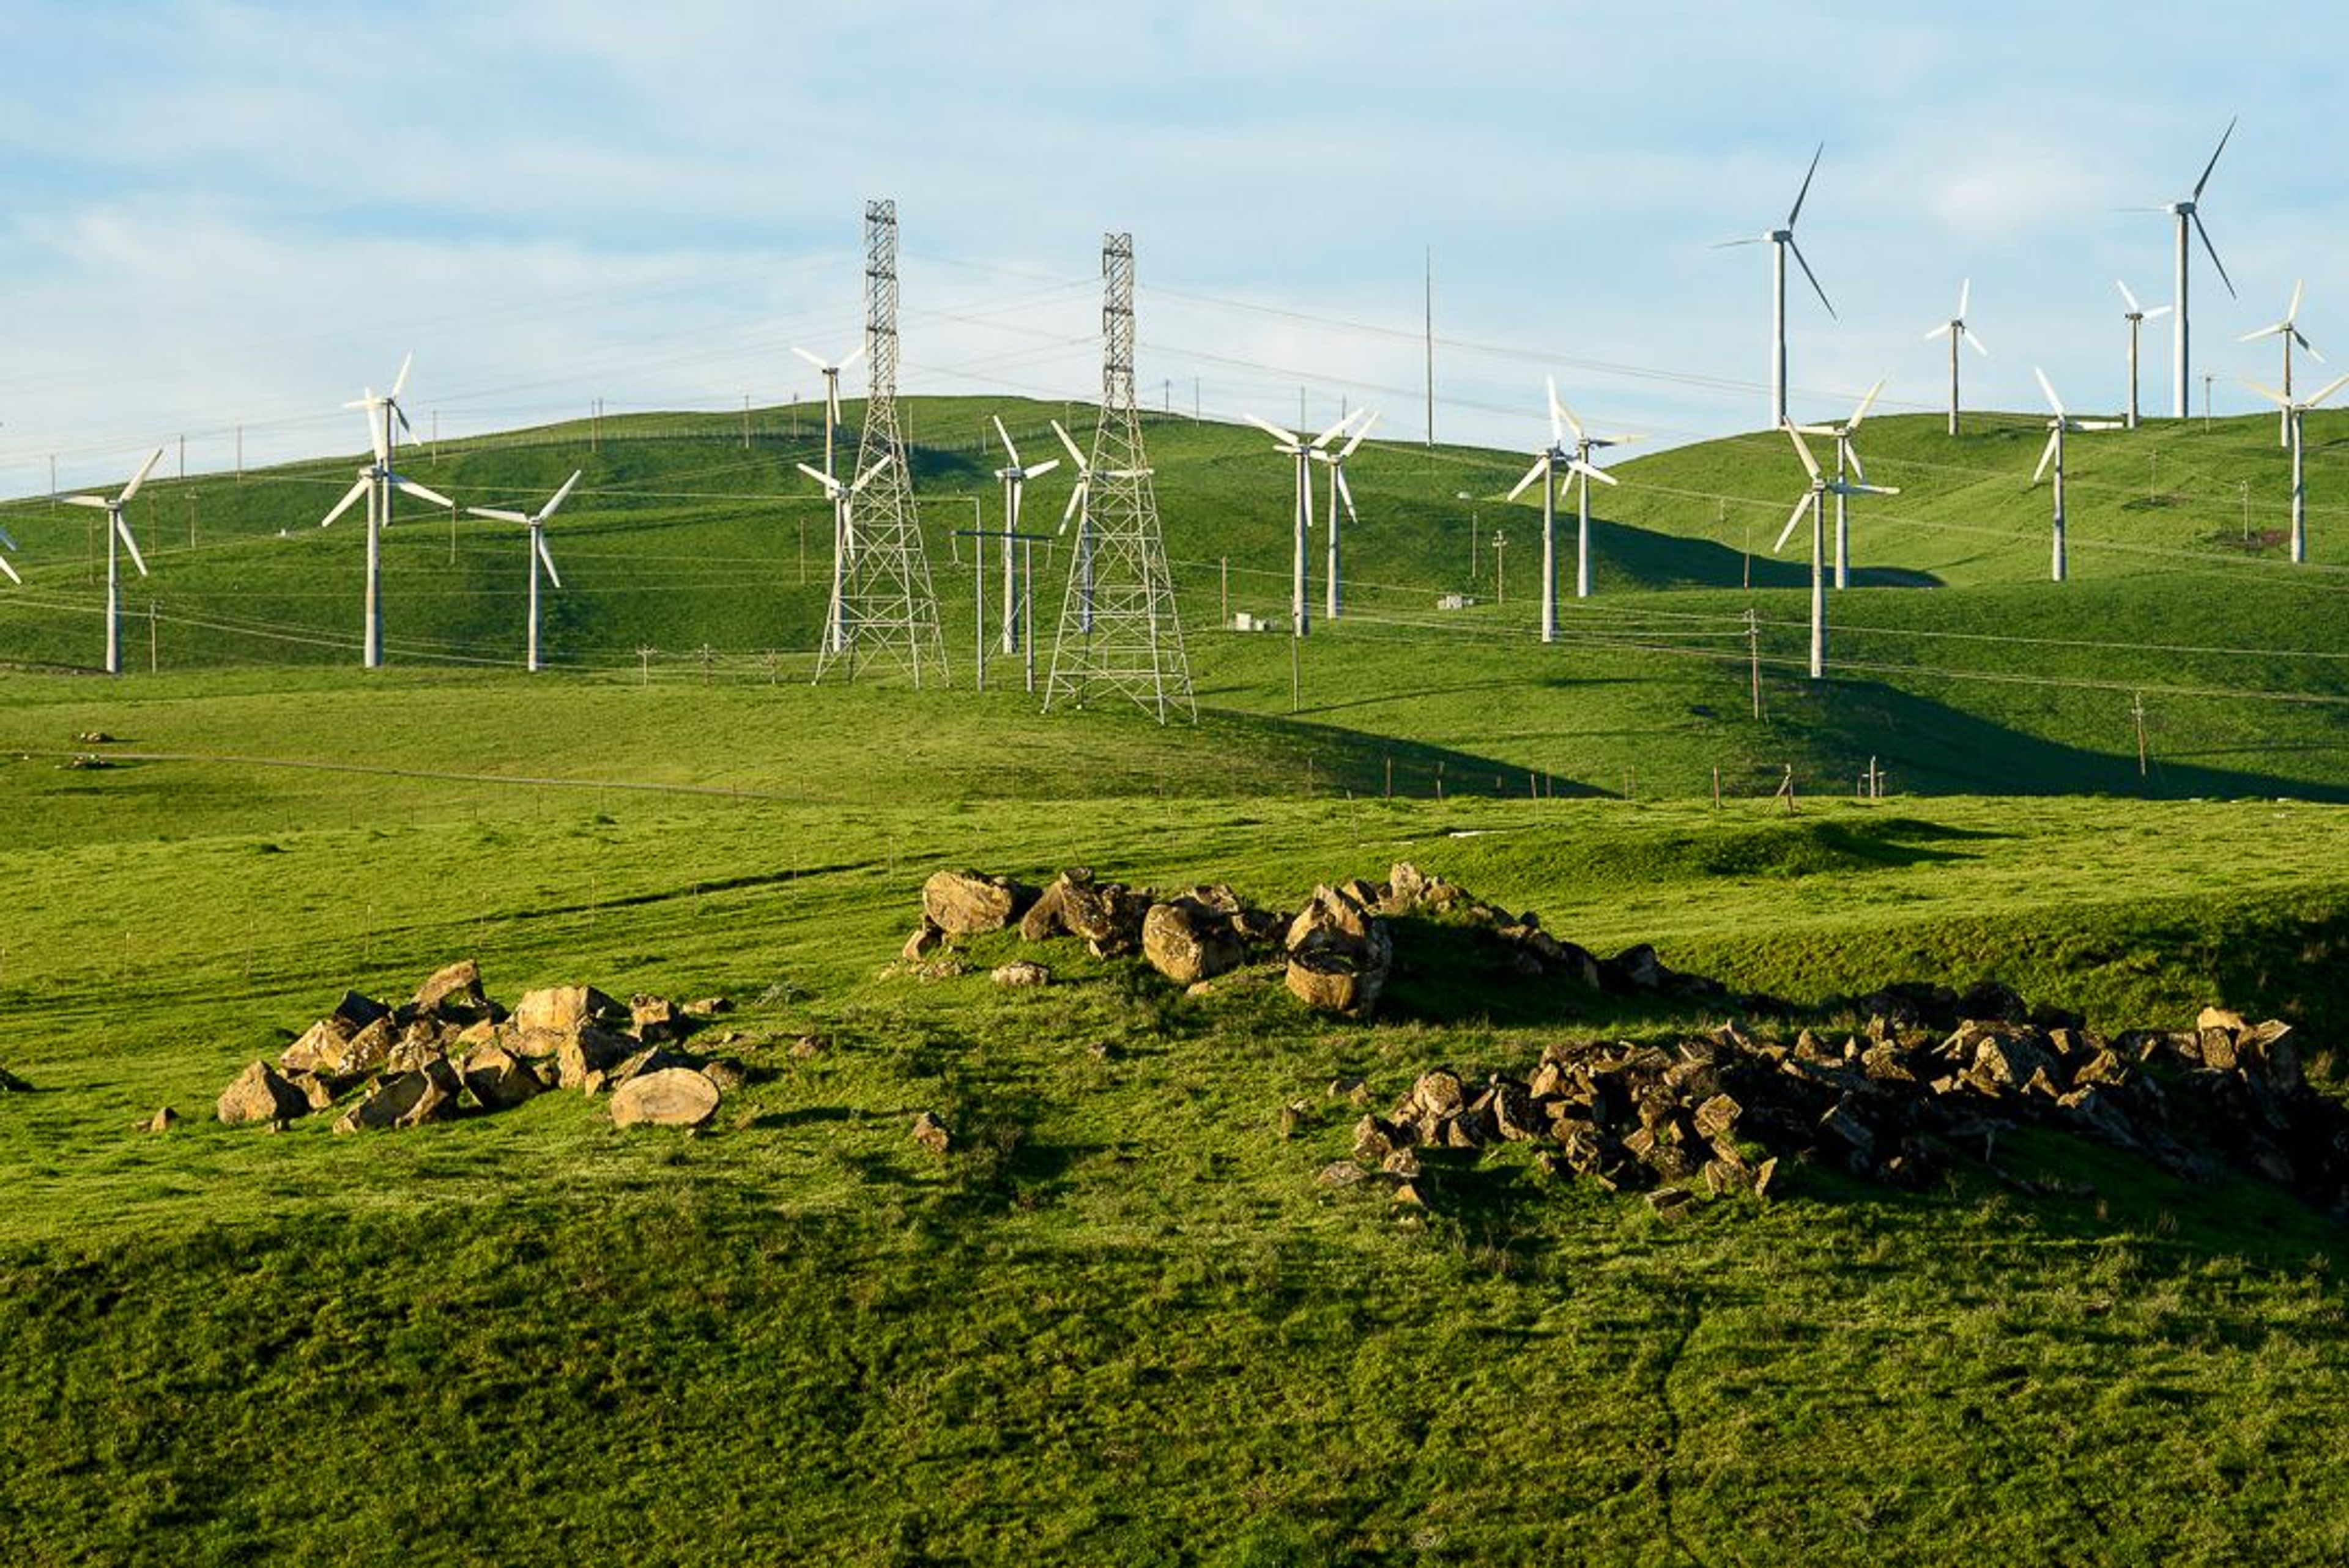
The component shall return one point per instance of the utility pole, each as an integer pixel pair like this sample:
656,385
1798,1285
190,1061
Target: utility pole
2206,380
1431,346
154,658
1753,655
183,457
746,421
645,664
2137,715
1224,569
1500,568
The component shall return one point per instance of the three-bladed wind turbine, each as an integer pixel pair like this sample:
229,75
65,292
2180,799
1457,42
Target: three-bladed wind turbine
1781,241
843,544
1563,463
2292,412
2056,428
1847,465
1080,511
2137,316
116,529
1954,329
376,482
1015,476
1296,446
2289,330
1339,492
536,522
2188,215
1812,502
831,372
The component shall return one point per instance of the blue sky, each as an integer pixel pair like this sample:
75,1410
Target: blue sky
234,215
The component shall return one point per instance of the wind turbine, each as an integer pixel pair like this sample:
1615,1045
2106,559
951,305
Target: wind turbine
2291,413
1080,510
1847,464
1299,447
1954,329
116,529
1336,461
536,522
843,542
2056,428
1015,476
1574,462
1810,502
2188,215
831,397
2289,330
376,483
2137,316
1781,241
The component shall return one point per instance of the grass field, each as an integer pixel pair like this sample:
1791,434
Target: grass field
1120,1322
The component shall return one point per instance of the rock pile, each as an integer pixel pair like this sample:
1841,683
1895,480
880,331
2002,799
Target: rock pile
1336,954
1894,1104
11,1084
451,1050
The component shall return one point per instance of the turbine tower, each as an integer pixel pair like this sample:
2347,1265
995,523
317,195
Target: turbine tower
2137,316
2188,215
1811,503
1125,637
1847,465
2287,329
887,608
536,521
1781,241
2054,453
1954,329
844,546
1300,622
376,482
2291,413
116,529
1557,465
1015,476
1336,462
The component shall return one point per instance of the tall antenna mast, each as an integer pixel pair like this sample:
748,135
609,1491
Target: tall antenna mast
1122,634
888,608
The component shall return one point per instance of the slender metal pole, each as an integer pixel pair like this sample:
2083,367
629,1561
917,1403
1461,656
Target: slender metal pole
1843,520
1956,330
1028,607
2178,378
113,595
530,658
2059,502
2283,433
1298,624
2299,493
1550,551
1582,528
1818,589
1330,587
2134,323
1010,578
1777,332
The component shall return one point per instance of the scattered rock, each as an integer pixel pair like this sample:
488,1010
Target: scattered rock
931,1134
500,1080
585,1058
1023,972
670,1097
260,1094
454,993
656,1018
405,1099
11,1084
963,903
560,1010
163,1120
925,940
1188,941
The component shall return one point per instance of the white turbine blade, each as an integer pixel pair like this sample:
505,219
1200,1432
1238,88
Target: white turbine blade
122,529
400,414
1040,469
811,358
1725,244
366,399
1076,499
2292,310
1810,464
1541,466
2306,346
2273,329
1345,493
1974,342
140,477
1797,211
869,475
1965,293
400,382
1817,429
409,487
1075,457
1556,414
1334,431
1866,403
1943,330
1801,507
2047,387
497,514
2214,256
10,570
2100,424
1359,436
819,477
1858,472
2129,298
560,496
1005,437
2214,160
854,354
350,498
2047,455
2334,385
375,439
548,561
2159,310
1815,289
96,500
1285,438
2270,393
8,540
1591,472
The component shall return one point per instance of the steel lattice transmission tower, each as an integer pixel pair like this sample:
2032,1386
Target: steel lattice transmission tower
1120,632
888,609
